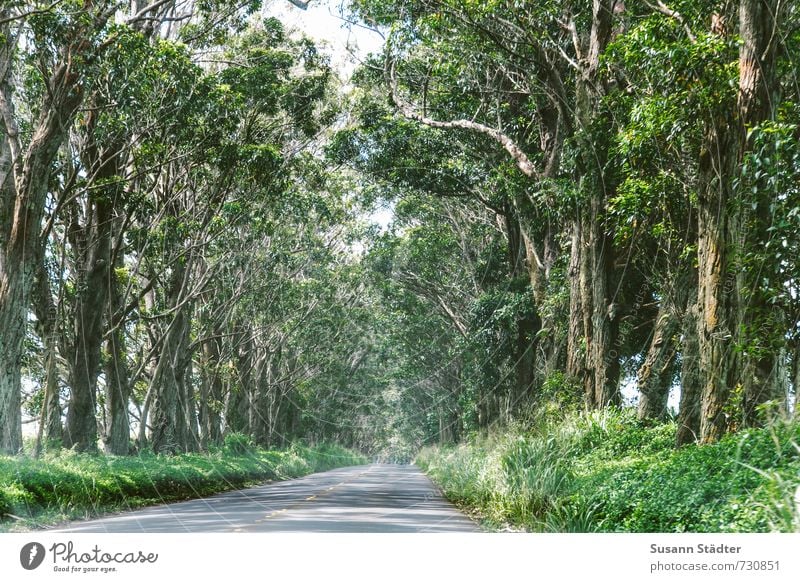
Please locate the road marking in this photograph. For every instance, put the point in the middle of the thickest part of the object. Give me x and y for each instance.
(310, 498)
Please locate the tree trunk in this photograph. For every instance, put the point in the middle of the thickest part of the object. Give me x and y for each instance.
(656, 372)
(585, 302)
(761, 384)
(117, 438)
(524, 360)
(170, 425)
(796, 377)
(94, 258)
(144, 420)
(576, 335)
(262, 396)
(757, 100)
(192, 436)
(24, 191)
(12, 322)
(49, 434)
(691, 383)
(595, 260)
(527, 325)
(605, 325)
(719, 236)
(211, 400)
(715, 294)
(12, 277)
(167, 412)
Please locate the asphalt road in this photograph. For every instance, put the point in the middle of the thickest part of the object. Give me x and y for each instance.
(363, 499)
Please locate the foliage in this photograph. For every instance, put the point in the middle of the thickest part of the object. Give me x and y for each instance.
(608, 472)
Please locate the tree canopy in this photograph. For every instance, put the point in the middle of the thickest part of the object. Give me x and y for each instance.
(593, 205)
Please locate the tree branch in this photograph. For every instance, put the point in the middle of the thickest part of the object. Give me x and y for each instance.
(149, 8)
(659, 6)
(34, 12)
(523, 162)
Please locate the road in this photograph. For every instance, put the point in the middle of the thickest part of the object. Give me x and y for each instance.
(362, 499)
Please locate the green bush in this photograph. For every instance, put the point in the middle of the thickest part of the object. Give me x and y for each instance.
(5, 505)
(606, 471)
(238, 444)
(69, 485)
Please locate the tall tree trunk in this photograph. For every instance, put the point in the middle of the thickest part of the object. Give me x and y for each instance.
(527, 324)
(211, 399)
(605, 325)
(12, 279)
(715, 295)
(655, 374)
(585, 302)
(192, 436)
(595, 186)
(12, 322)
(24, 192)
(169, 420)
(94, 258)
(757, 100)
(796, 377)
(263, 394)
(725, 146)
(118, 389)
(49, 434)
(576, 334)
(691, 382)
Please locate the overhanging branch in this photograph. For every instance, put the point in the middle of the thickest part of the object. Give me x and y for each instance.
(520, 158)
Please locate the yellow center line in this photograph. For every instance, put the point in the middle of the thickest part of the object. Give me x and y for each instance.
(311, 498)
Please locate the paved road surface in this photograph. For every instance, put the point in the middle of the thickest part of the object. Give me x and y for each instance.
(364, 499)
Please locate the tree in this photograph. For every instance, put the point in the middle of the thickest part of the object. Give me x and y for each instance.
(68, 43)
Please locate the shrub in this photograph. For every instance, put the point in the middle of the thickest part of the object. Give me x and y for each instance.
(5, 505)
(238, 444)
(68, 485)
(606, 471)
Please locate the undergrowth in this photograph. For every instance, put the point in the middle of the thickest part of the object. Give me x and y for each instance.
(66, 485)
(606, 471)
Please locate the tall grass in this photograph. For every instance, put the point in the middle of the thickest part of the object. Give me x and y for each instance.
(605, 471)
(69, 485)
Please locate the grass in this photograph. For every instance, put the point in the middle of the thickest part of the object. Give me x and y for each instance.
(606, 471)
(55, 488)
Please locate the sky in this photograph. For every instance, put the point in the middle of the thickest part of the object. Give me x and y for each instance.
(346, 43)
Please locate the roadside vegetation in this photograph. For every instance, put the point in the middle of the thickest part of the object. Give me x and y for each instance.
(606, 471)
(66, 485)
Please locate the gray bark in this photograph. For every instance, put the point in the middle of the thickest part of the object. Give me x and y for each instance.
(655, 374)
(117, 438)
(691, 381)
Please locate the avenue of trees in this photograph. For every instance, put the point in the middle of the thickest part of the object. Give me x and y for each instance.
(173, 257)
(591, 200)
